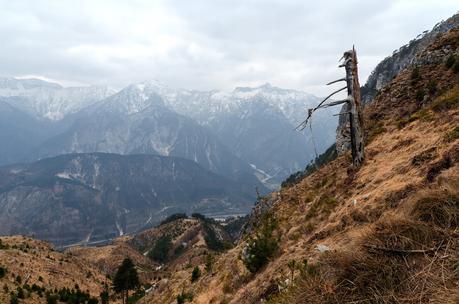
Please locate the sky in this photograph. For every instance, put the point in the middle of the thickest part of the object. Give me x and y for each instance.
(206, 44)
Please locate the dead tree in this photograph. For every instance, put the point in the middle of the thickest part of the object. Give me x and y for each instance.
(353, 106)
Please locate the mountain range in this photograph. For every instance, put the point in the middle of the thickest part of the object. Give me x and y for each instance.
(246, 134)
(87, 164)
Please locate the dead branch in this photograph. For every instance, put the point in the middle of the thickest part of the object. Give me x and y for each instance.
(400, 250)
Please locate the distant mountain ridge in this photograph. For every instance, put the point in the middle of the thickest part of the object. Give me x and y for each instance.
(96, 196)
(51, 101)
(243, 133)
(131, 122)
(257, 124)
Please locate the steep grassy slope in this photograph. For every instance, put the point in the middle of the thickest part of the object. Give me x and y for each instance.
(386, 233)
(172, 248)
(32, 270)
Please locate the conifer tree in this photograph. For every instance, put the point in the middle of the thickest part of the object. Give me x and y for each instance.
(125, 279)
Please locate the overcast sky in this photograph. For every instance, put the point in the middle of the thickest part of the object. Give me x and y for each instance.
(206, 44)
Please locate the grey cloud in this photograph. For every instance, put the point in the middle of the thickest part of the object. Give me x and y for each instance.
(205, 44)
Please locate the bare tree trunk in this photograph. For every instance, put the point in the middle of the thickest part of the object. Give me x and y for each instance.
(354, 107)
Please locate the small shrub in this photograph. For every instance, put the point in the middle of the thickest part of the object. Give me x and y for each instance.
(420, 95)
(447, 101)
(209, 262)
(18, 279)
(436, 168)
(450, 61)
(440, 208)
(415, 75)
(134, 298)
(14, 299)
(432, 87)
(323, 205)
(262, 247)
(179, 250)
(3, 246)
(160, 251)
(20, 293)
(199, 216)
(424, 157)
(174, 217)
(104, 297)
(184, 297)
(307, 269)
(375, 131)
(452, 135)
(51, 299)
(456, 67)
(2, 272)
(213, 242)
(93, 301)
(423, 115)
(195, 274)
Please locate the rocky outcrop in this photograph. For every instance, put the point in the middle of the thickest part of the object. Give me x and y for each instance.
(391, 66)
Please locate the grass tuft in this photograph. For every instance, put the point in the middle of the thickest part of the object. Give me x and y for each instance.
(452, 135)
(447, 101)
(439, 207)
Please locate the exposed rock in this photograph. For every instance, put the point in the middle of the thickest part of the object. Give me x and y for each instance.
(387, 69)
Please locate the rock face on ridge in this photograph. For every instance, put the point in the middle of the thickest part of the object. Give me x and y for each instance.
(391, 66)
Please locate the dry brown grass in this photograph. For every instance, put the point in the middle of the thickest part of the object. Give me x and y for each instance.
(399, 235)
(37, 263)
(439, 207)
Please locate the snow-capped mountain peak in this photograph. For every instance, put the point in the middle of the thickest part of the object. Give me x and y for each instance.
(137, 97)
(50, 101)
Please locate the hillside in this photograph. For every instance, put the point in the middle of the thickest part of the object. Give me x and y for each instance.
(93, 197)
(391, 66)
(32, 268)
(386, 233)
(160, 254)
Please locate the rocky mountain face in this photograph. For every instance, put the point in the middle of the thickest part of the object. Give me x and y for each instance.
(91, 197)
(50, 101)
(213, 128)
(19, 132)
(256, 124)
(390, 67)
(132, 122)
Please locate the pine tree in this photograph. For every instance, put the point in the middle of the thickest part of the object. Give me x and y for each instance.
(125, 279)
(104, 297)
(195, 274)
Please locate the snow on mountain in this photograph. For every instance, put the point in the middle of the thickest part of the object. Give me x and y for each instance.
(204, 106)
(50, 101)
(257, 124)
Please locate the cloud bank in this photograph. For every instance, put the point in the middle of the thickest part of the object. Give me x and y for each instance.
(206, 44)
